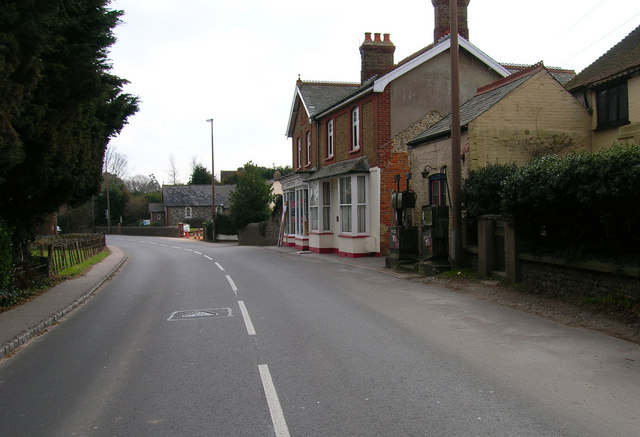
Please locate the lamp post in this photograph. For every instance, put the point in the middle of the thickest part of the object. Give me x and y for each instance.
(213, 187)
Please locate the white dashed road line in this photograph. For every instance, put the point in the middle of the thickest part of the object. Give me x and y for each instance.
(220, 267)
(247, 320)
(277, 416)
(233, 285)
(208, 257)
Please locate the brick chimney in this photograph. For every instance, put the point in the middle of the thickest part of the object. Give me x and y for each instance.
(376, 55)
(442, 24)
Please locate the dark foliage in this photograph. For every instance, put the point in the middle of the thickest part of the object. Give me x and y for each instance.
(482, 190)
(60, 106)
(251, 198)
(586, 201)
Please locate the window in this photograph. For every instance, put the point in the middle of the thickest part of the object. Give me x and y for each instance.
(326, 206)
(355, 129)
(345, 204)
(313, 205)
(309, 148)
(613, 106)
(354, 207)
(291, 212)
(330, 139)
(362, 205)
(299, 153)
(188, 212)
(438, 189)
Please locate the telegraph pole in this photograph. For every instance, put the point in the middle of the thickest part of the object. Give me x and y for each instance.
(456, 212)
(213, 188)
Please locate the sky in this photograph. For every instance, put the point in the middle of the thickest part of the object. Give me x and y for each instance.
(237, 62)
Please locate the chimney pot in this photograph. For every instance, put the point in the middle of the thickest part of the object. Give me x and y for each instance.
(377, 36)
(367, 36)
(386, 37)
(376, 56)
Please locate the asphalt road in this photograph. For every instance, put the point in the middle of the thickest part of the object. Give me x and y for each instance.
(214, 340)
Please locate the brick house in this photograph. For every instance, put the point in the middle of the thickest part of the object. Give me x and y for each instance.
(349, 140)
(610, 89)
(510, 120)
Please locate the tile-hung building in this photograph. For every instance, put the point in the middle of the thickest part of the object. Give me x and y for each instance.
(349, 140)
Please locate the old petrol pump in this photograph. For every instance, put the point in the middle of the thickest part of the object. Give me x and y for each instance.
(403, 238)
(435, 228)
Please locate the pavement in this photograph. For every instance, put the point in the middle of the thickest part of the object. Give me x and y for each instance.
(24, 322)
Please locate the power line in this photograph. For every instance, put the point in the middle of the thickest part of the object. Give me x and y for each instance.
(603, 37)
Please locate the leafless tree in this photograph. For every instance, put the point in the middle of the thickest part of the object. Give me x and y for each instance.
(173, 170)
(115, 163)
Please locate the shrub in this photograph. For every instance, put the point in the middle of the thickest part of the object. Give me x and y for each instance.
(586, 201)
(481, 191)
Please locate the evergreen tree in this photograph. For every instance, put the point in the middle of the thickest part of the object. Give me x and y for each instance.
(251, 198)
(60, 105)
(200, 175)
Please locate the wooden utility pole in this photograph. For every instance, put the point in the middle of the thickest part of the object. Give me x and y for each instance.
(455, 173)
(213, 188)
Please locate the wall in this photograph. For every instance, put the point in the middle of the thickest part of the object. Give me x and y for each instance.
(538, 107)
(595, 280)
(251, 235)
(426, 88)
(175, 215)
(146, 231)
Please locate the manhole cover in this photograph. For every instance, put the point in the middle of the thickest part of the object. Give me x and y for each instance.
(196, 314)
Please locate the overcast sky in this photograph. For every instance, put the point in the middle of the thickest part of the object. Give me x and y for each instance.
(237, 62)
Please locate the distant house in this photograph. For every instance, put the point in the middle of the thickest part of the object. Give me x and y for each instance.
(192, 203)
(610, 89)
(156, 213)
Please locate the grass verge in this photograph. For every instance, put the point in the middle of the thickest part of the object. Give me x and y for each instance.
(17, 297)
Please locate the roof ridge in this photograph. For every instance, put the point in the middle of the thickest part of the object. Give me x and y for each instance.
(327, 82)
(511, 78)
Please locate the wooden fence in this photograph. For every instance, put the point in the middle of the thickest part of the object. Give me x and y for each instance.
(64, 252)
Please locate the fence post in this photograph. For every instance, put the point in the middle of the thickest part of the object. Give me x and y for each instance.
(49, 259)
(485, 245)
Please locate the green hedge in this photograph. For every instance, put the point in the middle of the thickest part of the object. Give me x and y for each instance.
(587, 201)
(481, 190)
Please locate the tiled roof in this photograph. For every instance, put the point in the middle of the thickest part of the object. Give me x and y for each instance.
(562, 75)
(350, 166)
(195, 195)
(486, 97)
(620, 60)
(319, 95)
(156, 207)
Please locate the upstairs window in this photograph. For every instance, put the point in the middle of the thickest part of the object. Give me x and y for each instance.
(308, 148)
(355, 129)
(330, 139)
(613, 106)
(298, 155)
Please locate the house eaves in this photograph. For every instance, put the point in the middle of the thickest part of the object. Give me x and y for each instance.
(314, 96)
(377, 84)
(445, 44)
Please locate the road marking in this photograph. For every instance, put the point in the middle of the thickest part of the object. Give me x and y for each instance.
(175, 247)
(233, 285)
(220, 267)
(209, 258)
(189, 250)
(247, 320)
(164, 245)
(195, 251)
(277, 416)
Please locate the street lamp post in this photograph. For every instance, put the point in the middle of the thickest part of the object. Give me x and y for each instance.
(213, 187)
